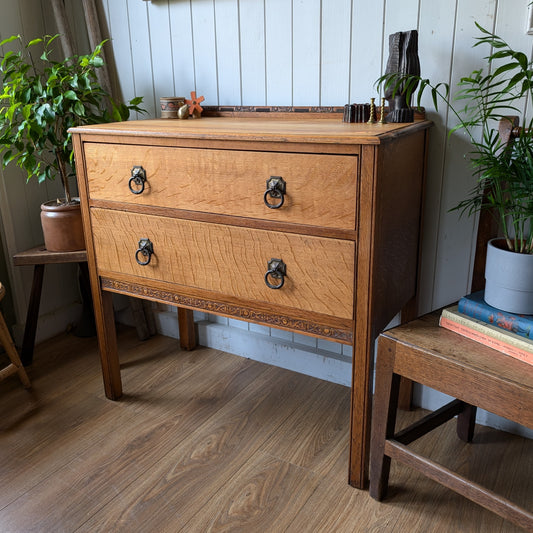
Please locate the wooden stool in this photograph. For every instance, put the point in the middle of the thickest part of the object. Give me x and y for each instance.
(470, 372)
(39, 257)
(7, 342)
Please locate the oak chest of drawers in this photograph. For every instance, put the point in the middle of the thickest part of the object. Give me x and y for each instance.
(306, 224)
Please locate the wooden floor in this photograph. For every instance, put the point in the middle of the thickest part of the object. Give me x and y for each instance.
(207, 441)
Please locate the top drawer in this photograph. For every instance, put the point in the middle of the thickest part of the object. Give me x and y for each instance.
(320, 188)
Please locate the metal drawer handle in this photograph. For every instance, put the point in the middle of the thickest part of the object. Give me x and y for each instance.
(146, 249)
(277, 270)
(276, 188)
(138, 177)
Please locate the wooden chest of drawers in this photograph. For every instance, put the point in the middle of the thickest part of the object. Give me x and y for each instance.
(307, 224)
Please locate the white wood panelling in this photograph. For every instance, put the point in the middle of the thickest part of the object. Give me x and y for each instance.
(335, 60)
(182, 49)
(436, 40)
(228, 52)
(251, 38)
(455, 235)
(305, 52)
(205, 50)
(161, 50)
(278, 51)
(367, 48)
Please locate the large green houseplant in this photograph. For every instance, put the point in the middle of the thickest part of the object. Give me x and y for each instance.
(503, 171)
(41, 99)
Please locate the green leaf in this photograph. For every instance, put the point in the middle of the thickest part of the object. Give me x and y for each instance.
(505, 68)
(26, 111)
(7, 157)
(136, 101)
(10, 39)
(79, 109)
(97, 62)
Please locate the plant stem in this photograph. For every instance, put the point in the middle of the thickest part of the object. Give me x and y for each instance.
(64, 176)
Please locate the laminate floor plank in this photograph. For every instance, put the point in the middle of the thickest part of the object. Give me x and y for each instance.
(264, 495)
(314, 436)
(104, 461)
(207, 441)
(196, 469)
(59, 430)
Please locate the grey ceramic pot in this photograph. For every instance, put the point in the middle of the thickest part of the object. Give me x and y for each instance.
(509, 279)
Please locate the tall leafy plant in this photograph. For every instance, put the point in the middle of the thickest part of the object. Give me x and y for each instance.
(42, 98)
(504, 172)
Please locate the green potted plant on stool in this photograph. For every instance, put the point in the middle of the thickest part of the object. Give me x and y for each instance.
(504, 170)
(41, 99)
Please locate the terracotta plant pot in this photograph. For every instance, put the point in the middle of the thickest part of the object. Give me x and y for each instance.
(509, 279)
(62, 227)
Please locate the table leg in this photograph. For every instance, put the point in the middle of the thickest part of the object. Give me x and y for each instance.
(26, 355)
(107, 343)
(186, 329)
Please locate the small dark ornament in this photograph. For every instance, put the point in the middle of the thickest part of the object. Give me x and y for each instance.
(356, 113)
(403, 59)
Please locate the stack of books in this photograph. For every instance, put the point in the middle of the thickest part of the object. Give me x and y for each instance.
(508, 333)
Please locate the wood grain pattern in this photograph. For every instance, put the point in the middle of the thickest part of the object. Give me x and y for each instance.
(229, 260)
(73, 461)
(258, 129)
(228, 182)
(485, 366)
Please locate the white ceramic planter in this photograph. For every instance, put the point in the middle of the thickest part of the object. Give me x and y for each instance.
(509, 279)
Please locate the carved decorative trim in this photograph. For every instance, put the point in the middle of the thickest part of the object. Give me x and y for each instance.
(213, 109)
(237, 311)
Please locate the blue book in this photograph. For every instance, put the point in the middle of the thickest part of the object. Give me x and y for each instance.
(474, 305)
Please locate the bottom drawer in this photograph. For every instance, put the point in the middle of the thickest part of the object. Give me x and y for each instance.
(229, 260)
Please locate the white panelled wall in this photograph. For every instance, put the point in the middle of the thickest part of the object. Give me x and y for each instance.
(288, 52)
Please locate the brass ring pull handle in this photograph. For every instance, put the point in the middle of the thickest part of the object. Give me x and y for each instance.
(146, 249)
(277, 270)
(276, 188)
(138, 178)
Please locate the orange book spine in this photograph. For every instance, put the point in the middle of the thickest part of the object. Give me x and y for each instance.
(487, 340)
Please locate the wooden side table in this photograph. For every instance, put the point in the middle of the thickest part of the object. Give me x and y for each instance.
(39, 257)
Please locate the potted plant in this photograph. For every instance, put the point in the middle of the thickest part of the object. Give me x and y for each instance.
(504, 171)
(41, 99)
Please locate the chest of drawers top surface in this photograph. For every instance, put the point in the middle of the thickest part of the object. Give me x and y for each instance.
(328, 130)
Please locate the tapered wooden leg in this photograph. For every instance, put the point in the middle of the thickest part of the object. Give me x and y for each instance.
(186, 329)
(28, 343)
(107, 343)
(361, 410)
(466, 422)
(383, 418)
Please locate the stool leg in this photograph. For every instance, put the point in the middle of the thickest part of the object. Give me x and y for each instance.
(9, 346)
(466, 421)
(383, 418)
(30, 329)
